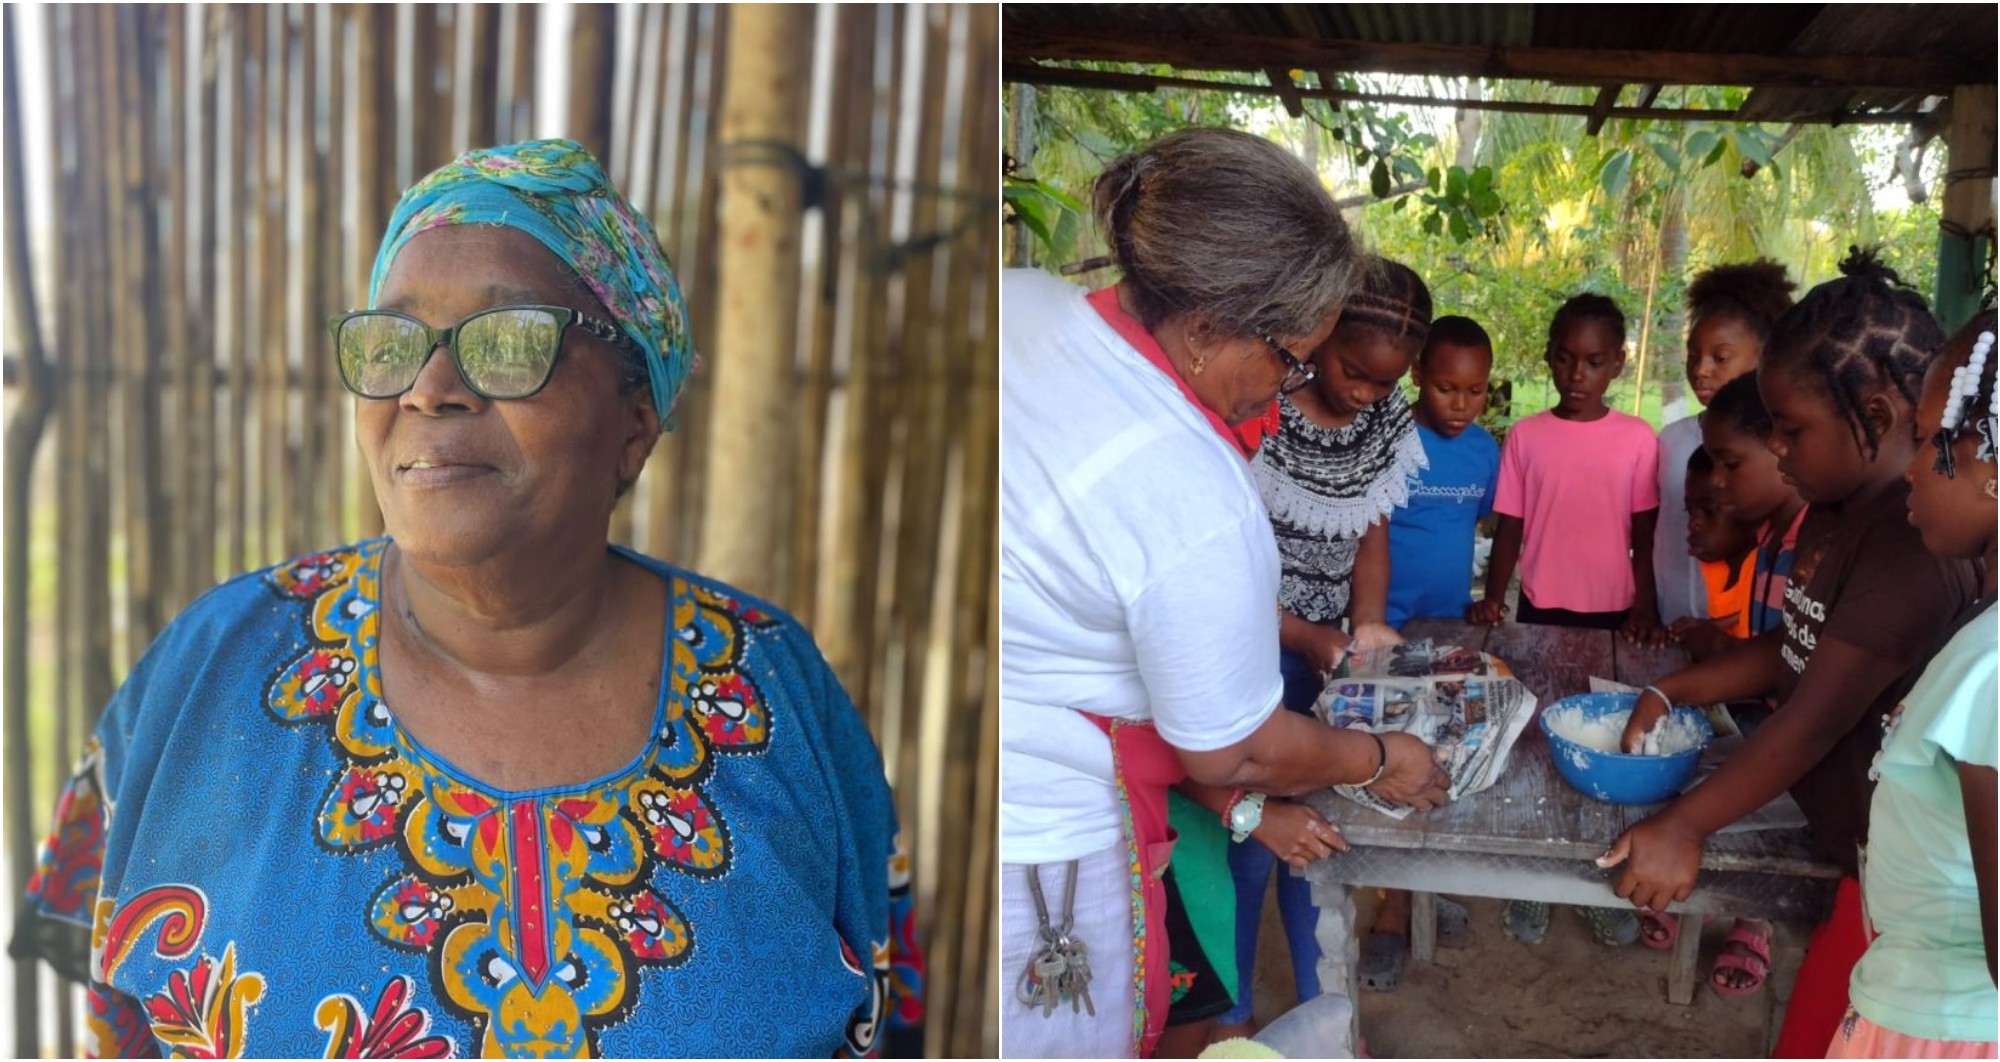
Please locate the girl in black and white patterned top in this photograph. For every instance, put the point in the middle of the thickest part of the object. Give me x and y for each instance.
(1343, 456)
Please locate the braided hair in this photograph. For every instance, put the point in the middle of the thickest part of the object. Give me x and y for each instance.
(1392, 300)
(1738, 405)
(1862, 334)
(1587, 307)
(1754, 293)
(1972, 405)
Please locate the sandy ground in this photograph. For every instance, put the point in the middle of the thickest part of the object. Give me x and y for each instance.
(1567, 997)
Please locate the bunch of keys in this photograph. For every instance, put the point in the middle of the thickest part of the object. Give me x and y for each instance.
(1060, 970)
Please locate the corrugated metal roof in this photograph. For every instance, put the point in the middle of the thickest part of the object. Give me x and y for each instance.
(1961, 36)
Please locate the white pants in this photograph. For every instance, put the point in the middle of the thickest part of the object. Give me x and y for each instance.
(1104, 922)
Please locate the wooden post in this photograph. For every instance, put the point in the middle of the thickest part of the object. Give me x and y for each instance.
(1967, 224)
(745, 529)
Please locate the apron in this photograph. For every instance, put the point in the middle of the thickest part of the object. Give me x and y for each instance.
(1144, 767)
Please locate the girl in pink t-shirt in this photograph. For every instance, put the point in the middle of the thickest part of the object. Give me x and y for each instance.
(1577, 497)
(1578, 494)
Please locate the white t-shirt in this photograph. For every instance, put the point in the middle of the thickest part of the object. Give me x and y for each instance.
(1677, 581)
(1138, 573)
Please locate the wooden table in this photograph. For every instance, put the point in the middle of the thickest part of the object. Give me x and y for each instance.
(1532, 837)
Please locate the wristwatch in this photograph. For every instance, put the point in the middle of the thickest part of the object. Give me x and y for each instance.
(1243, 815)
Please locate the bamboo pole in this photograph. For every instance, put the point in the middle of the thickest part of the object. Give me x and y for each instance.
(237, 183)
(480, 92)
(95, 614)
(698, 272)
(744, 533)
(659, 488)
(171, 171)
(142, 468)
(32, 408)
(592, 48)
(199, 532)
(848, 585)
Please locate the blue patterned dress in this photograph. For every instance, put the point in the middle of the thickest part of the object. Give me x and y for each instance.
(258, 860)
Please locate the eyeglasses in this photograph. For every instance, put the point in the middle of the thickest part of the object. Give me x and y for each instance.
(506, 352)
(1297, 373)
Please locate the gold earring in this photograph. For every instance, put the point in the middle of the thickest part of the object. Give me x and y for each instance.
(1993, 488)
(1200, 363)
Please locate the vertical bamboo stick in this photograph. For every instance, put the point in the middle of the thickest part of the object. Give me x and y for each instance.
(95, 614)
(33, 407)
(660, 488)
(759, 251)
(592, 50)
(139, 467)
(204, 184)
(480, 90)
(848, 585)
(273, 449)
(237, 214)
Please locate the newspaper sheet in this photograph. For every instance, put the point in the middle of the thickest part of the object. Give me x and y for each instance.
(1465, 704)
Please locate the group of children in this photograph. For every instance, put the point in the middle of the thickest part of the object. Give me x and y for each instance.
(1820, 533)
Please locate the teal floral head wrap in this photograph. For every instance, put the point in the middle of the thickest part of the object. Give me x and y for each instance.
(556, 192)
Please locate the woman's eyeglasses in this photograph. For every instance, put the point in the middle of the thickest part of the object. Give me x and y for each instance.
(503, 353)
(1297, 373)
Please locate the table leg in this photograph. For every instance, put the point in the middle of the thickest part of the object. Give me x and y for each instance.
(1339, 952)
(1681, 965)
(1423, 926)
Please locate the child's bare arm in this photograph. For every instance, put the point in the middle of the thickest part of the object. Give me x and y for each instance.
(1499, 572)
(1643, 625)
(1369, 604)
(1977, 786)
(1322, 644)
(1663, 853)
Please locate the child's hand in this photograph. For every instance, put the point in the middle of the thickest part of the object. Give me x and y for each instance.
(1297, 834)
(1326, 652)
(1371, 636)
(1490, 612)
(1647, 711)
(1703, 639)
(1661, 861)
(1645, 632)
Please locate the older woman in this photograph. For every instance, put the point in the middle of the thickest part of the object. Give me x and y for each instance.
(1139, 574)
(487, 785)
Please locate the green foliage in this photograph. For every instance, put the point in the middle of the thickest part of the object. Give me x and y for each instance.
(1542, 212)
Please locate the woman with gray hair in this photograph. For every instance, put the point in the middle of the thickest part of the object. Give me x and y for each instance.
(1139, 574)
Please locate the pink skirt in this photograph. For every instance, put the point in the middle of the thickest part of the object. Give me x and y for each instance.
(1858, 1037)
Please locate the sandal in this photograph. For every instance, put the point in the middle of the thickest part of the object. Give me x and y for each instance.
(1754, 938)
(1659, 931)
(1526, 920)
(1614, 927)
(1383, 956)
(1454, 925)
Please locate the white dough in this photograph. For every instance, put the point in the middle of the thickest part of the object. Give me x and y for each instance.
(1671, 735)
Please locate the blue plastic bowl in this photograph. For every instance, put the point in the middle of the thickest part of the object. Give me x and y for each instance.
(1614, 777)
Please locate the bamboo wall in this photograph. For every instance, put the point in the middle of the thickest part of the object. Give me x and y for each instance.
(220, 179)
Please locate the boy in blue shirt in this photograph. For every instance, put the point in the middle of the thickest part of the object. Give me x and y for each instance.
(1430, 563)
(1430, 541)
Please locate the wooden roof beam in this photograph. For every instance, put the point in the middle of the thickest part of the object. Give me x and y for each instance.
(1209, 51)
(1036, 74)
(1288, 93)
(1600, 110)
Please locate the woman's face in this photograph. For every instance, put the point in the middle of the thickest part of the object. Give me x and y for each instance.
(1746, 479)
(1358, 366)
(461, 478)
(1241, 376)
(1955, 516)
(1720, 349)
